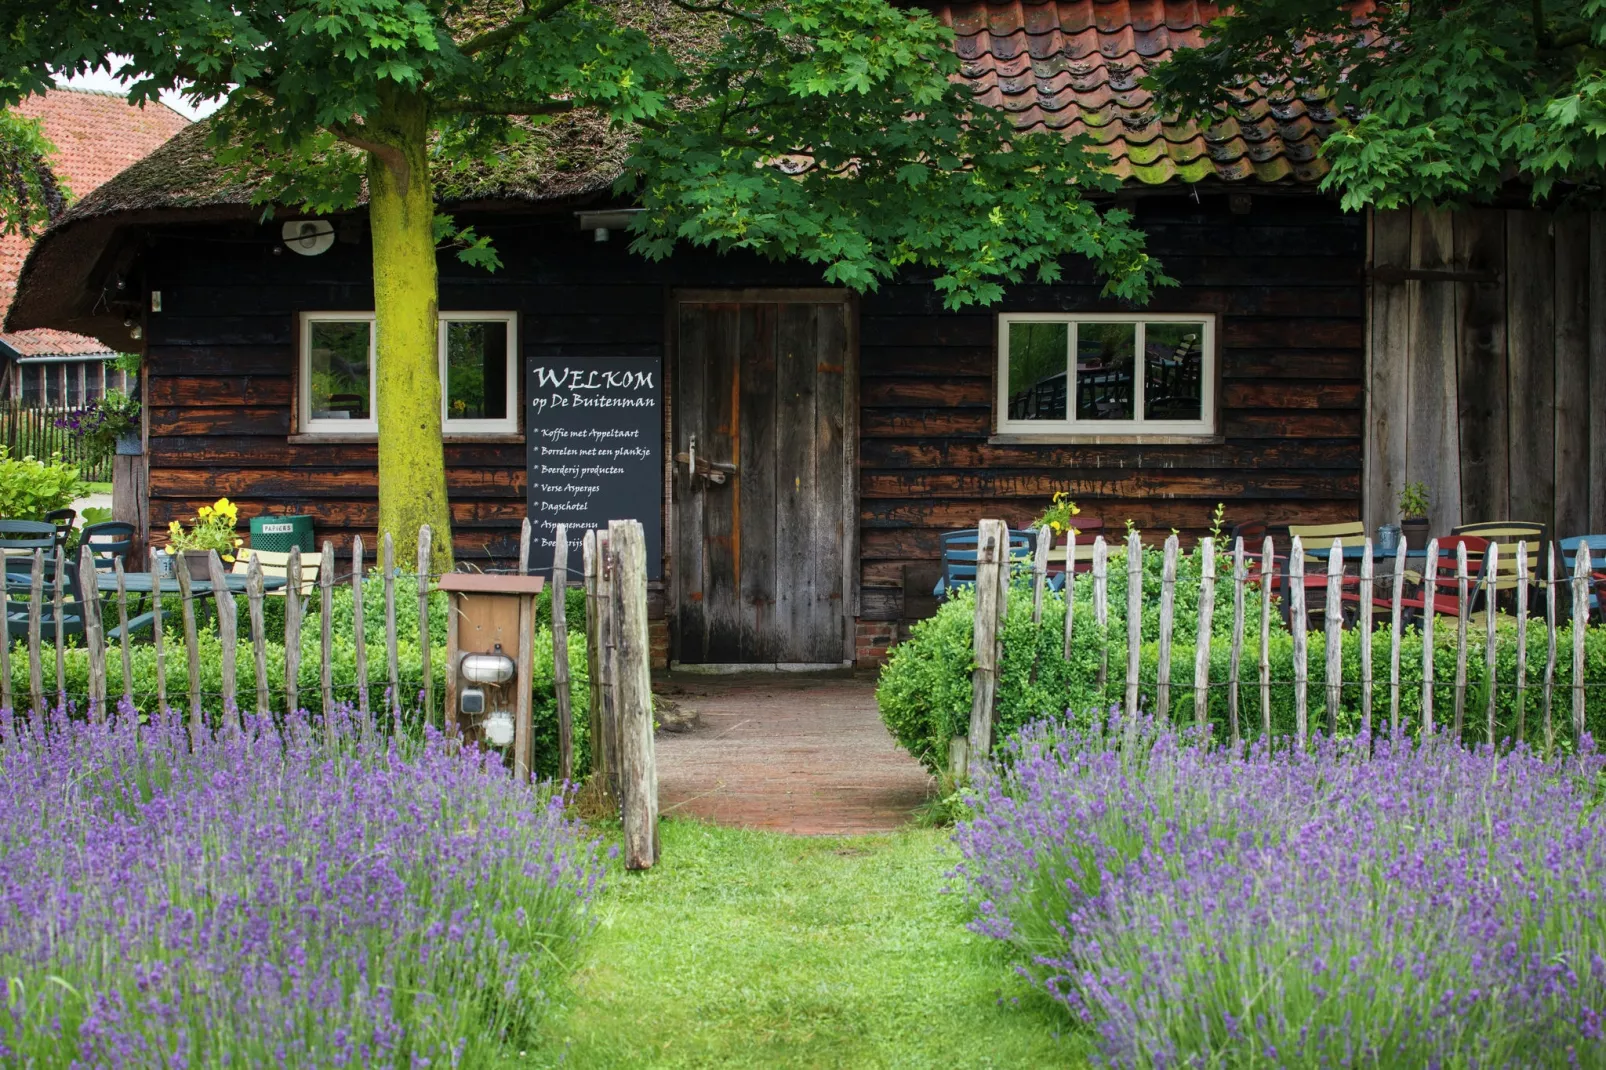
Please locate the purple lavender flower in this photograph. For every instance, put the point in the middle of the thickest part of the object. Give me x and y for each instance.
(261, 899)
(1420, 905)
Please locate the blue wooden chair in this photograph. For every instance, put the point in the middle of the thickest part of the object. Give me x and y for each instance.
(1597, 561)
(959, 558)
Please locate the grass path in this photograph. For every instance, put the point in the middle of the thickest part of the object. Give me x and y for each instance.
(751, 949)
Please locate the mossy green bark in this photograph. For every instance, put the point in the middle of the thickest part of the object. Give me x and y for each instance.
(401, 211)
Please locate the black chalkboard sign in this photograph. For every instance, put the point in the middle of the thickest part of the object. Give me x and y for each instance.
(594, 434)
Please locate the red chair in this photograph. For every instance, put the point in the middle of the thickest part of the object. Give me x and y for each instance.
(1439, 589)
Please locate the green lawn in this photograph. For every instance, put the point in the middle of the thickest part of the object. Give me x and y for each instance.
(749, 949)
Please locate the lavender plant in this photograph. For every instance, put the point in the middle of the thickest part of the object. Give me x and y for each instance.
(263, 899)
(1426, 905)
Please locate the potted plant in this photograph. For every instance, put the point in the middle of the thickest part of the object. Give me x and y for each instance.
(108, 424)
(213, 530)
(1057, 518)
(1414, 515)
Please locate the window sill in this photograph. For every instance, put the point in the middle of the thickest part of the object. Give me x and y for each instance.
(303, 438)
(1125, 439)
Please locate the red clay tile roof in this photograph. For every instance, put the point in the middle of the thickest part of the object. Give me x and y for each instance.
(1077, 66)
(96, 135)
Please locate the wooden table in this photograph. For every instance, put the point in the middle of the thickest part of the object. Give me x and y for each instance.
(146, 583)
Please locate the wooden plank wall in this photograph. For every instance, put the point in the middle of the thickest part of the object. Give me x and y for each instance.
(1489, 385)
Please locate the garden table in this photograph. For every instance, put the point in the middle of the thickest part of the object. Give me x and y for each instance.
(200, 587)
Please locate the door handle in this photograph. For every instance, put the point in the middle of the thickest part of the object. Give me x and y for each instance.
(713, 471)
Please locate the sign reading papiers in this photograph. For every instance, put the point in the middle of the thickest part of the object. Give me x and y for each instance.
(594, 434)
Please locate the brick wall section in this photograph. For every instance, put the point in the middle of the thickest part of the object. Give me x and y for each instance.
(871, 641)
(658, 643)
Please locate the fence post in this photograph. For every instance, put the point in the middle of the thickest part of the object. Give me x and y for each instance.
(1235, 655)
(1070, 591)
(1492, 571)
(524, 547)
(1460, 640)
(36, 598)
(1430, 580)
(192, 652)
(122, 630)
(992, 578)
(1201, 653)
(1134, 633)
(228, 637)
(1296, 595)
(1394, 642)
(427, 686)
(599, 744)
(59, 587)
(1367, 589)
(1333, 632)
(392, 656)
(1040, 548)
(359, 643)
(156, 632)
(5, 669)
(259, 641)
(1551, 582)
(94, 634)
(633, 685)
(1168, 605)
(1268, 570)
(292, 631)
(560, 652)
(326, 591)
(1580, 623)
(607, 706)
(523, 711)
(1522, 641)
(1101, 605)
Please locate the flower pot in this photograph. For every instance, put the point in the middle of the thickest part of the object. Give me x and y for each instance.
(129, 445)
(200, 564)
(1415, 530)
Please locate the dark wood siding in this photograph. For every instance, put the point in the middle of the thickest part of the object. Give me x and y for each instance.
(1285, 279)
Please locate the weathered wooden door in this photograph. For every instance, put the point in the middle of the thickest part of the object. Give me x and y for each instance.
(764, 428)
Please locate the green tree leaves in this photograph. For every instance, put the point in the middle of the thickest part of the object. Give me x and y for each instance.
(30, 194)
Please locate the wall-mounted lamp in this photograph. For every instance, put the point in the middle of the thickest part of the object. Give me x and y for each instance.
(601, 224)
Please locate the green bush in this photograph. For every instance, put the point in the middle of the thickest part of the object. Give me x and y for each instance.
(30, 488)
(343, 662)
(924, 691)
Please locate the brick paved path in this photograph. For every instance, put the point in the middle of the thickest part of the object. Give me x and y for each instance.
(803, 753)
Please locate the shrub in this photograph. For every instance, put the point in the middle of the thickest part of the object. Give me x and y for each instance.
(30, 488)
(263, 898)
(924, 691)
(1427, 905)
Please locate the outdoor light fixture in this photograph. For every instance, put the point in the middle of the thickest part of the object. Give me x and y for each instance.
(495, 668)
(602, 223)
(498, 728)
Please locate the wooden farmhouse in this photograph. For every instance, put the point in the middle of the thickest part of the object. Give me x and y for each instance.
(809, 446)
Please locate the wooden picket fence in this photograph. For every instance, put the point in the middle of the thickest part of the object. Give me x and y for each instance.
(620, 714)
(993, 579)
(28, 430)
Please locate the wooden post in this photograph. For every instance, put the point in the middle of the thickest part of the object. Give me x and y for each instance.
(1296, 595)
(192, 652)
(524, 547)
(599, 743)
(1580, 624)
(1134, 633)
(5, 666)
(1235, 655)
(1201, 650)
(359, 644)
(259, 641)
(1552, 581)
(607, 712)
(1367, 590)
(326, 593)
(992, 559)
(1492, 571)
(228, 636)
(1460, 639)
(156, 631)
(1394, 642)
(1430, 581)
(523, 714)
(59, 587)
(392, 657)
(1168, 607)
(94, 634)
(633, 685)
(122, 630)
(1522, 641)
(427, 685)
(560, 652)
(292, 631)
(1268, 568)
(1333, 632)
(36, 598)
(1045, 539)
(1070, 591)
(1101, 605)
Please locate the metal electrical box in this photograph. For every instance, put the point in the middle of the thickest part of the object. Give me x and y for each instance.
(490, 661)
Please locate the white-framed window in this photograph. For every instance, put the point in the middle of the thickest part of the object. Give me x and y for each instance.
(1106, 373)
(478, 362)
(337, 373)
(479, 373)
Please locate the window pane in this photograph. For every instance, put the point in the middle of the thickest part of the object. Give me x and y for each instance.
(1173, 362)
(1037, 370)
(338, 369)
(30, 384)
(476, 370)
(1104, 365)
(94, 382)
(75, 385)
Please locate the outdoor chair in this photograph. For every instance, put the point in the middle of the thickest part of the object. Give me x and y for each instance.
(64, 520)
(18, 599)
(1088, 528)
(1508, 533)
(959, 557)
(1438, 586)
(1317, 540)
(109, 541)
(277, 563)
(18, 541)
(1597, 557)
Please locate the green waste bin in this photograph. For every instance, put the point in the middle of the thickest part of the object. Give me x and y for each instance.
(279, 533)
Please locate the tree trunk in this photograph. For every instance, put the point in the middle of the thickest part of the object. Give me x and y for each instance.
(401, 211)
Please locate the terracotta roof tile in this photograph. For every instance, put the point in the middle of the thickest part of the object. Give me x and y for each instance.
(1077, 66)
(96, 135)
